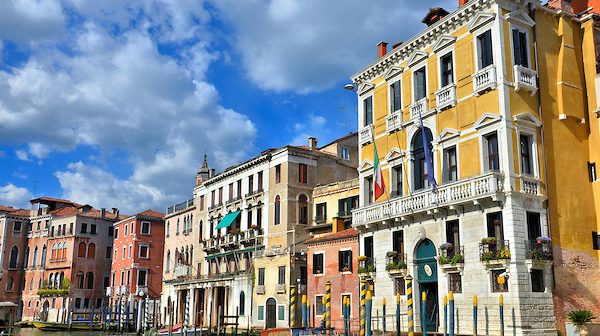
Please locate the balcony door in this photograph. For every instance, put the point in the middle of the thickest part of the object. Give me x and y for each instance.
(271, 316)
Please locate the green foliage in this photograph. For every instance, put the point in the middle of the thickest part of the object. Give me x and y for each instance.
(394, 266)
(580, 317)
(49, 292)
(503, 253)
(368, 269)
(489, 240)
(452, 260)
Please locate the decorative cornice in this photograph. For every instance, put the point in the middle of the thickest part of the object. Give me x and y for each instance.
(444, 41)
(392, 72)
(487, 119)
(527, 119)
(521, 17)
(480, 20)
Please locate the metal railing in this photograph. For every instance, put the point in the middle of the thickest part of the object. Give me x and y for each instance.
(494, 250)
(539, 250)
(452, 255)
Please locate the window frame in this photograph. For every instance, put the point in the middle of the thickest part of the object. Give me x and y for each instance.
(341, 254)
(417, 68)
(443, 54)
(485, 151)
(278, 174)
(391, 85)
(322, 263)
(302, 173)
(142, 228)
(345, 153)
(363, 109)
(146, 272)
(520, 29)
(147, 246)
(446, 167)
(478, 57)
(533, 153)
(279, 274)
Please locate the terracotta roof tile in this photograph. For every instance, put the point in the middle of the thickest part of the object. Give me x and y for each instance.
(348, 233)
(52, 199)
(152, 213)
(21, 212)
(7, 208)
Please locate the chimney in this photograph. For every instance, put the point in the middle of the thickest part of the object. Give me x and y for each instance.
(115, 210)
(102, 212)
(462, 2)
(382, 49)
(434, 15)
(312, 142)
(117, 214)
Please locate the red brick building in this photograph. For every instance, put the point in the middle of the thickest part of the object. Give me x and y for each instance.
(333, 257)
(137, 266)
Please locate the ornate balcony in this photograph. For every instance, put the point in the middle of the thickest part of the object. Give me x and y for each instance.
(109, 291)
(182, 271)
(124, 290)
(419, 108)
(525, 79)
(280, 289)
(393, 122)
(539, 249)
(530, 185)
(365, 135)
(484, 79)
(469, 190)
(260, 289)
(446, 97)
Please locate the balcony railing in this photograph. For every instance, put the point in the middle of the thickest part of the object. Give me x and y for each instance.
(180, 206)
(124, 290)
(525, 79)
(494, 250)
(182, 271)
(487, 185)
(254, 192)
(452, 256)
(271, 252)
(365, 135)
(539, 250)
(530, 185)
(446, 97)
(419, 108)
(395, 262)
(484, 79)
(366, 266)
(320, 219)
(393, 121)
(280, 288)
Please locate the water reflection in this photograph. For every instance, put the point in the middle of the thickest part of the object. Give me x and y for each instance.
(36, 332)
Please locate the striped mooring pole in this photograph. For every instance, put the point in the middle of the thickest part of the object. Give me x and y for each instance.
(328, 306)
(324, 314)
(308, 312)
(346, 314)
(292, 305)
(423, 317)
(451, 311)
(398, 327)
(474, 315)
(304, 323)
(501, 315)
(368, 309)
(363, 302)
(383, 317)
(409, 302)
(147, 316)
(445, 315)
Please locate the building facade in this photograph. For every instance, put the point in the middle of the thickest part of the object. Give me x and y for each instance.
(137, 268)
(458, 106)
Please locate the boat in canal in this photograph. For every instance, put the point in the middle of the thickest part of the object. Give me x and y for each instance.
(53, 326)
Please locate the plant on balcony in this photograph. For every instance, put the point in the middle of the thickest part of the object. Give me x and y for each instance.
(445, 246)
(489, 241)
(362, 258)
(543, 240)
(391, 254)
(395, 266)
(47, 291)
(445, 259)
(368, 269)
(503, 253)
(580, 318)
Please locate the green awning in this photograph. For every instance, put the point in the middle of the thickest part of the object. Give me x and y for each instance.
(227, 220)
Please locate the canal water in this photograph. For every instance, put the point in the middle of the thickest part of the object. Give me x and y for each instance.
(36, 332)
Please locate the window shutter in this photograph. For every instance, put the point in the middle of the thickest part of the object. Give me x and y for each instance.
(340, 261)
(523, 41)
(517, 47)
(350, 260)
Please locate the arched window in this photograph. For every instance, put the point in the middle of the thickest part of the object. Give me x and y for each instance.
(43, 261)
(200, 231)
(168, 229)
(64, 250)
(79, 277)
(420, 169)
(81, 250)
(177, 227)
(51, 280)
(53, 252)
(191, 255)
(242, 303)
(90, 280)
(187, 256)
(9, 284)
(302, 209)
(26, 258)
(168, 262)
(91, 251)
(14, 257)
(277, 210)
(60, 280)
(177, 258)
(35, 253)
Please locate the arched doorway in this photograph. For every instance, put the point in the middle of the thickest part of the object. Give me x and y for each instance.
(45, 309)
(271, 316)
(427, 278)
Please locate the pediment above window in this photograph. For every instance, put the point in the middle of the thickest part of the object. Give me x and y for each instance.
(417, 57)
(365, 87)
(448, 134)
(521, 17)
(443, 42)
(527, 119)
(480, 20)
(365, 165)
(392, 72)
(486, 120)
(395, 154)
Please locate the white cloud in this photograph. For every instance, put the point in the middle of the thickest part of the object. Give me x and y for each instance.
(308, 46)
(26, 21)
(15, 196)
(22, 155)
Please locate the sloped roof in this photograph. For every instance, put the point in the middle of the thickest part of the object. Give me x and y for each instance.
(348, 233)
(151, 213)
(52, 199)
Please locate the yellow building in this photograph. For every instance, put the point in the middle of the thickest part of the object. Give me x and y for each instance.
(463, 92)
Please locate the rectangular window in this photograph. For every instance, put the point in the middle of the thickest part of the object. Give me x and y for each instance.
(495, 226)
(144, 251)
(455, 282)
(525, 150)
(250, 184)
(111, 231)
(108, 251)
(420, 84)
(398, 242)
(399, 286)
(201, 205)
(126, 228)
(446, 70)
(220, 195)
(281, 313)
(537, 281)
(302, 173)
(239, 189)
(249, 219)
(396, 96)
(16, 226)
(451, 164)
(145, 230)
(369, 190)
(261, 276)
(93, 228)
(124, 253)
(261, 313)
(260, 180)
(319, 306)
(129, 254)
(534, 226)
(77, 302)
(520, 47)
(368, 247)
(499, 284)
(344, 297)
(278, 173)
(484, 47)
(345, 261)
(453, 236)
(345, 153)
(230, 191)
(592, 171)
(259, 217)
(368, 111)
(128, 277)
(321, 212)
(83, 227)
(213, 198)
(281, 278)
(397, 180)
(493, 156)
(318, 263)
(142, 277)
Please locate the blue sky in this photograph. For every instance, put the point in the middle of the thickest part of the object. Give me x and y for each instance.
(114, 103)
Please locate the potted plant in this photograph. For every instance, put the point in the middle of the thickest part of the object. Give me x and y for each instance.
(445, 246)
(489, 241)
(580, 318)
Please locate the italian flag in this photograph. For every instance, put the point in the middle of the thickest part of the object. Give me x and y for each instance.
(379, 185)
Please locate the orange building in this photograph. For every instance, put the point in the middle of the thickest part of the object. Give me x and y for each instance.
(136, 271)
